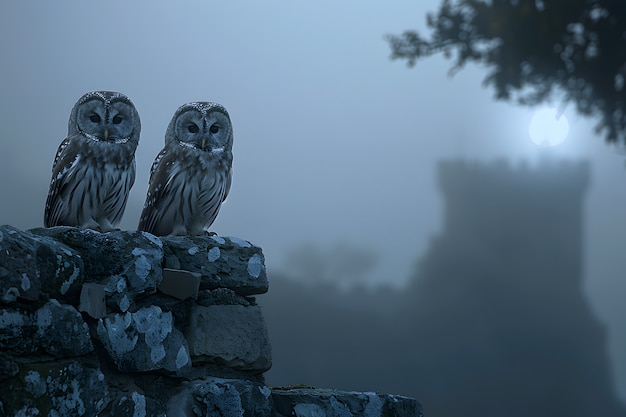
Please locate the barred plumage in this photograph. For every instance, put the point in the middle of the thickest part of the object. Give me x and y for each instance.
(191, 176)
(94, 167)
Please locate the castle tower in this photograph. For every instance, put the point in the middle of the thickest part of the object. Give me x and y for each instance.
(498, 300)
(528, 220)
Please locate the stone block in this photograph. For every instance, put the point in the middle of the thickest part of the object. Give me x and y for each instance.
(222, 262)
(128, 263)
(35, 267)
(53, 329)
(204, 314)
(8, 366)
(179, 283)
(65, 388)
(221, 397)
(144, 341)
(315, 403)
(133, 404)
(92, 300)
(230, 335)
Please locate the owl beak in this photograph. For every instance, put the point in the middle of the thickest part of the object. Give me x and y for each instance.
(106, 134)
(204, 144)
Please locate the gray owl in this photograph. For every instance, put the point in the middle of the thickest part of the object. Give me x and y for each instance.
(191, 176)
(94, 167)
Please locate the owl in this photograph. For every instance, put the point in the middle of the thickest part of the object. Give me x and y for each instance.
(94, 167)
(191, 176)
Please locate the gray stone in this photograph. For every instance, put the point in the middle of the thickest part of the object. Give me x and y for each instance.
(92, 300)
(221, 398)
(132, 404)
(54, 329)
(179, 283)
(230, 335)
(8, 368)
(48, 364)
(128, 263)
(317, 403)
(62, 388)
(144, 341)
(34, 267)
(223, 262)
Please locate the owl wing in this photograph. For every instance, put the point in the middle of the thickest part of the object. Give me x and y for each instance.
(115, 201)
(63, 168)
(212, 193)
(64, 144)
(159, 178)
(176, 196)
(156, 163)
(229, 180)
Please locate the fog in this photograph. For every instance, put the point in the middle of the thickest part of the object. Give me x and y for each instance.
(336, 151)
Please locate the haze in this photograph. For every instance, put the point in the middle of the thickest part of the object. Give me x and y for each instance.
(334, 143)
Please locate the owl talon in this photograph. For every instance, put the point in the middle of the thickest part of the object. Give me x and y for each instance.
(91, 226)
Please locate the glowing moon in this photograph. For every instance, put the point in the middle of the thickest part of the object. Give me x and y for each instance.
(547, 129)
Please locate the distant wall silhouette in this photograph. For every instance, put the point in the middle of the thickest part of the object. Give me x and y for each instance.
(494, 322)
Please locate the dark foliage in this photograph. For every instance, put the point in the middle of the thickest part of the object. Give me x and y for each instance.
(534, 49)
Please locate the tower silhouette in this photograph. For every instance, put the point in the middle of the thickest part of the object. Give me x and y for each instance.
(498, 300)
(494, 322)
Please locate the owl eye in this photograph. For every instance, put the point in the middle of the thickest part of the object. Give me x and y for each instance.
(214, 129)
(94, 118)
(193, 128)
(117, 119)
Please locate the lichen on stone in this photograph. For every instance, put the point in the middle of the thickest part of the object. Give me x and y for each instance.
(120, 341)
(255, 265)
(213, 254)
(219, 240)
(240, 242)
(142, 265)
(25, 282)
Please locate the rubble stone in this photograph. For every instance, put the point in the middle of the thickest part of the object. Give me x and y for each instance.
(194, 348)
(60, 388)
(53, 329)
(144, 341)
(128, 263)
(232, 335)
(33, 268)
(223, 262)
(221, 397)
(307, 402)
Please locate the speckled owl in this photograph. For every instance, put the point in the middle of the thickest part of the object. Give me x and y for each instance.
(94, 167)
(191, 176)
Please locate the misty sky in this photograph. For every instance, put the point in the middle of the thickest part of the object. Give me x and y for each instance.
(333, 141)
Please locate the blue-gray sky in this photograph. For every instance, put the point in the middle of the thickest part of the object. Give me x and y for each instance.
(333, 141)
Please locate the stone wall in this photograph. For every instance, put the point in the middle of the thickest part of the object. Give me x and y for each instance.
(127, 324)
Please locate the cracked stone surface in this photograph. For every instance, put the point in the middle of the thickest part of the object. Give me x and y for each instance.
(135, 350)
(222, 262)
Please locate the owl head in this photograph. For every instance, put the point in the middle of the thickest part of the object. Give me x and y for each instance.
(106, 117)
(204, 126)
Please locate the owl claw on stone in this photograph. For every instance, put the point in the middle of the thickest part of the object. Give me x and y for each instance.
(102, 227)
